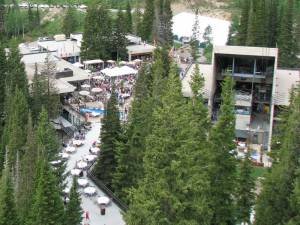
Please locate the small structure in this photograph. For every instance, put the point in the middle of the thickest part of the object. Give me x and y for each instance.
(119, 71)
(93, 65)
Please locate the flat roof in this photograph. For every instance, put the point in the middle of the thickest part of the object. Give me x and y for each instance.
(245, 50)
(63, 48)
(140, 49)
(94, 61)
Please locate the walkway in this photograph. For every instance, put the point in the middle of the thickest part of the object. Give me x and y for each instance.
(113, 214)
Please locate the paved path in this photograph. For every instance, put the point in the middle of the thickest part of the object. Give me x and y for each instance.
(113, 214)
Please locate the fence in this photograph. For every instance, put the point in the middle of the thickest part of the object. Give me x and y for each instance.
(106, 190)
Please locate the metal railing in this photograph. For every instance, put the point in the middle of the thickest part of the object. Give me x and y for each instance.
(106, 190)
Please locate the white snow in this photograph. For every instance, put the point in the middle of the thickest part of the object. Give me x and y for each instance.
(183, 25)
(113, 214)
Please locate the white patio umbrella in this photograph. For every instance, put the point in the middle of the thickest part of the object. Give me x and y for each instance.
(84, 93)
(81, 164)
(55, 162)
(90, 190)
(95, 150)
(75, 172)
(90, 158)
(78, 142)
(98, 141)
(70, 149)
(64, 155)
(95, 114)
(66, 190)
(96, 90)
(85, 86)
(137, 60)
(82, 182)
(98, 77)
(103, 200)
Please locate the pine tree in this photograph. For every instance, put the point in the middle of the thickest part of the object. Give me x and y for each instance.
(163, 23)
(148, 20)
(73, 214)
(46, 137)
(272, 22)
(8, 210)
(173, 189)
(97, 33)
(233, 31)
(128, 18)
(70, 21)
(286, 40)
(244, 22)
(14, 136)
(27, 174)
(160, 70)
(256, 28)
(119, 37)
(137, 21)
(50, 98)
(31, 19)
(2, 21)
(222, 164)
(110, 132)
(194, 43)
(207, 39)
(245, 196)
(273, 205)
(3, 77)
(131, 148)
(16, 70)
(37, 18)
(47, 208)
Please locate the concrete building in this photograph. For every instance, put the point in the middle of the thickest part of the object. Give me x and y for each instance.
(261, 88)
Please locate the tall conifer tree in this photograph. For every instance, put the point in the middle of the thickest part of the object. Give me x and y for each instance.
(8, 210)
(173, 189)
(73, 214)
(148, 21)
(110, 134)
(274, 206)
(286, 40)
(244, 21)
(128, 18)
(222, 164)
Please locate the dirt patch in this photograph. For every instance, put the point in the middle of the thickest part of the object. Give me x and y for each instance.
(215, 9)
(51, 14)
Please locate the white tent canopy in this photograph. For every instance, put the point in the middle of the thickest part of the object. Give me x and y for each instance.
(94, 61)
(118, 71)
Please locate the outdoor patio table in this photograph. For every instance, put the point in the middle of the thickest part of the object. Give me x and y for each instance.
(90, 190)
(70, 149)
(81, 164)
(90, 158)
(82, 182)
(103, 200)
(95, 150)
(76, 172)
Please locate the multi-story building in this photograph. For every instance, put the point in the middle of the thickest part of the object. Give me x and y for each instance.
(261, 88)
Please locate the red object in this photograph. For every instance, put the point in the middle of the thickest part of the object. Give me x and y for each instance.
(87, 216)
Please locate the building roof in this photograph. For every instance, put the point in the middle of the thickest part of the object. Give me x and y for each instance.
(247, 51)
(140, 49)
(64, 48)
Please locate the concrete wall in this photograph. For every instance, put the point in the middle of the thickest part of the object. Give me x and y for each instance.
(285, 80)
